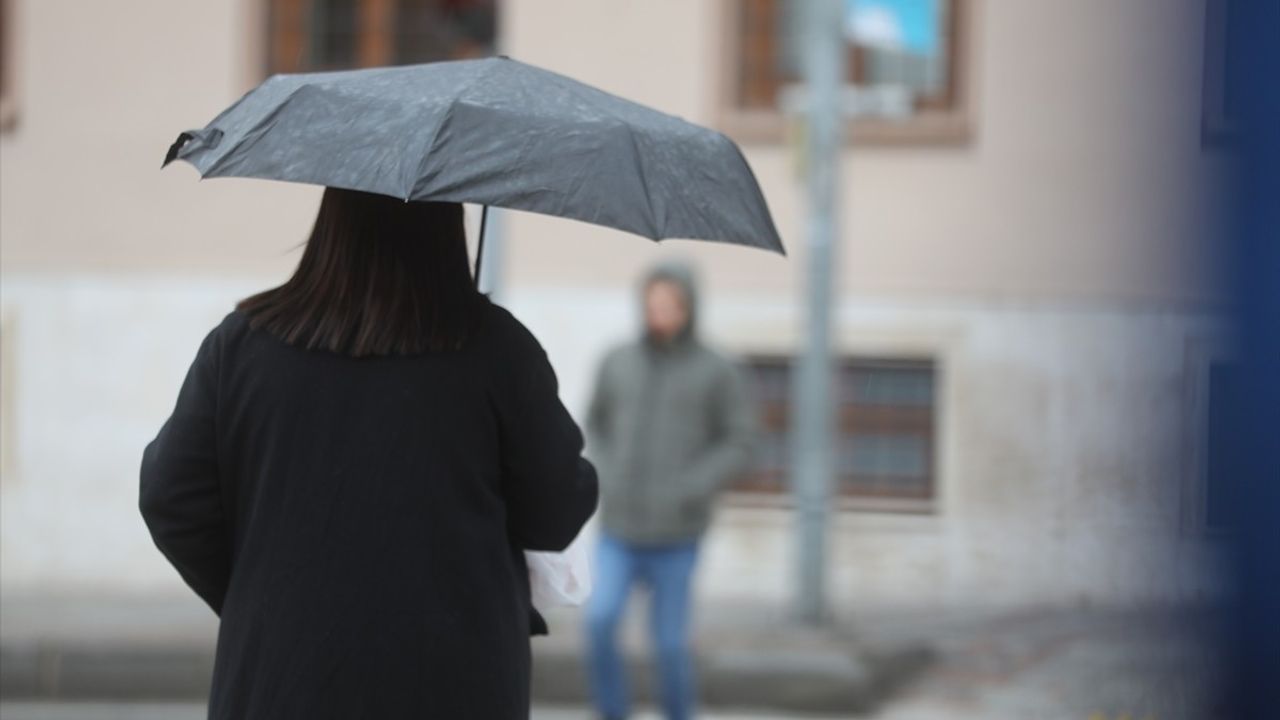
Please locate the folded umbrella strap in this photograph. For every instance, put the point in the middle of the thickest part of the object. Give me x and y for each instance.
(207, 138)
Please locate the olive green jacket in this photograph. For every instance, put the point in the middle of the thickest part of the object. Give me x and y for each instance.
(668, 425)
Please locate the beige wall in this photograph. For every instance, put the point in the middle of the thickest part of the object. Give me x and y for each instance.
(102, 89)
(1076, 183)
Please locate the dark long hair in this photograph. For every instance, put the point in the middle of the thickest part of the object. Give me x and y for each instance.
(379, 276)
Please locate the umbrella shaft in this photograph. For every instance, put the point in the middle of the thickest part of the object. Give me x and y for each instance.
(484, 217)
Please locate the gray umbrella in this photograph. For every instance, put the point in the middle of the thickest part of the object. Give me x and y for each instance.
(492, 132)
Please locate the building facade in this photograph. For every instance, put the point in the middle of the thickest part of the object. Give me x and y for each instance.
(1026, 334)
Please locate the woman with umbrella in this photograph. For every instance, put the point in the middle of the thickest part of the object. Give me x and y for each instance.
(355, 464)
(358, 457)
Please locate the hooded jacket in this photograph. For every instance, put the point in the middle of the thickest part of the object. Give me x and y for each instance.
(667, 426)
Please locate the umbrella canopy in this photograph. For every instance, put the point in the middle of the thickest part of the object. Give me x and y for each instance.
(493, 132)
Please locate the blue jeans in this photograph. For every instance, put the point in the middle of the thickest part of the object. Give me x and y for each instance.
(667, 570)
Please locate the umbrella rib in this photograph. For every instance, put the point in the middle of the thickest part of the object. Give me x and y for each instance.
(435, 134)
(427, 152)
(644, 180)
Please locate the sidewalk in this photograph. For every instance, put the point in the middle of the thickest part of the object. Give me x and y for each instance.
(747, 657)
(197, 711)
(1072, 665)
(162, 649)
(1041, 665)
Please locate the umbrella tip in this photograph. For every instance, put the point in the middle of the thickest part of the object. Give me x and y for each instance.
(177, 146)
(208, 138)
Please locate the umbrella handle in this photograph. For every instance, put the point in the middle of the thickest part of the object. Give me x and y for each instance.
(484, 217)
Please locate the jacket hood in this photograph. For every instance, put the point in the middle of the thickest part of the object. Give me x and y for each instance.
(683, 276)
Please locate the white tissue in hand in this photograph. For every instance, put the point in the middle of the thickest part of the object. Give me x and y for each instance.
(559, 579)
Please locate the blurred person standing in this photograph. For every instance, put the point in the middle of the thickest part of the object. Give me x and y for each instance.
(667, 426)
(356, 462)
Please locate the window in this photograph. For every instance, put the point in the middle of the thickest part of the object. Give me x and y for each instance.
(911, 47)
(771, 386)
(885, 434)
(311, 35)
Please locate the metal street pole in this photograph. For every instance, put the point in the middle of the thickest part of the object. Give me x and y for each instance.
(813, 424)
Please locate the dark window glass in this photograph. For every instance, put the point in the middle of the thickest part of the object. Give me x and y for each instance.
(431, 30)
(308, 35)
(335, 34)
(884, 434)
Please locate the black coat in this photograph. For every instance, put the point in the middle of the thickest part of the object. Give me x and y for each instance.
(358, 523)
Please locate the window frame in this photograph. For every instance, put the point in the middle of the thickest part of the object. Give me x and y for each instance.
(9, 40)
(750, 492)
(932, 126)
